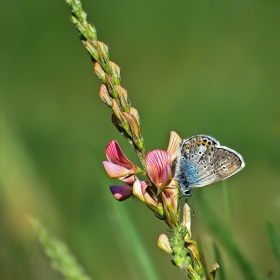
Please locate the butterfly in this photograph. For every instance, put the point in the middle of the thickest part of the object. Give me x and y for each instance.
(202, 161)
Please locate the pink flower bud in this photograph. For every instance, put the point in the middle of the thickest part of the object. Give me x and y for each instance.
(121, 192)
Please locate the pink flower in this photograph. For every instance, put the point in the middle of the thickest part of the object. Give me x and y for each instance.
(158, 168)
(158, 164)
(118, 165)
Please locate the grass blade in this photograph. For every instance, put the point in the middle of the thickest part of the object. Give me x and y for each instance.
(275, 241)
(230, 243)
(61, 258)
(219, 260)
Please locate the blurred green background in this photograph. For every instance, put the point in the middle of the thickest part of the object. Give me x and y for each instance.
(196, 67)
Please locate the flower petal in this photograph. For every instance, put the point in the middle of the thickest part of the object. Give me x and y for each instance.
(128, 179)
(167, 175)
(164, 244)
(138, 189)
(149, 198)
(121, 192)
(186, 219)
(134, 112)
(115, 170)
(115, 155)
(173, 144)
(172, 191)
(169, 211)
(156, 162)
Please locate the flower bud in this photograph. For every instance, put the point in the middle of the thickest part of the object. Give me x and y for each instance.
(99, 72)
(186, 220)
(104, 95)
(121, 192)
(122, 121)
(164, 244)
(92, 31)
(116, 72)
(103, 55)
(134, 113)
(135, 130)
(91, 50)
(112, 88)
(125, 103)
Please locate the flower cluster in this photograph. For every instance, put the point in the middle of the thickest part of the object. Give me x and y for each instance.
(160, 191)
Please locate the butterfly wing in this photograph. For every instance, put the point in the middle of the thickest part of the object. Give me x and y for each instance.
(203, 161)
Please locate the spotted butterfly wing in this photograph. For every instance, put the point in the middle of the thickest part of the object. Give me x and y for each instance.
(202, 161)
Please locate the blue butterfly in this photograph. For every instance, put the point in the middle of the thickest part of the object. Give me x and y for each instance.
(202, 161)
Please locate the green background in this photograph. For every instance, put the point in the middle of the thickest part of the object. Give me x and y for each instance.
(196, 67)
